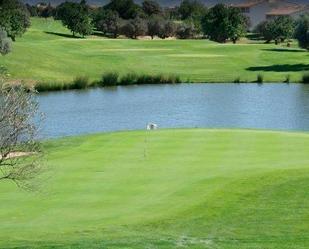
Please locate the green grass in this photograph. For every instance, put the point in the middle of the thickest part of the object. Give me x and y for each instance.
(231, 189)
(48, 57)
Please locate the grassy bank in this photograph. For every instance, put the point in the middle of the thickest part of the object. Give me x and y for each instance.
(47, 53)
(226, 189)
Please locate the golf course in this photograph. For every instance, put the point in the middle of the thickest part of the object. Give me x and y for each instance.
(47, 53)
(181, 188)
(137, 124)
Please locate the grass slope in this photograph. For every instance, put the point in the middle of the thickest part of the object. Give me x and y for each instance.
(229, 189)
(54, 56)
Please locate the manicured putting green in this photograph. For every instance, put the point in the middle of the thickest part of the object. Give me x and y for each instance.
(47, 53)
(231, 189)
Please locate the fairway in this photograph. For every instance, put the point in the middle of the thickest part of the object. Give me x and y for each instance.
(231, 189)
(48, 53)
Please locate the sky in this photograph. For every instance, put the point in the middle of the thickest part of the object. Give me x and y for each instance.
(162, 2)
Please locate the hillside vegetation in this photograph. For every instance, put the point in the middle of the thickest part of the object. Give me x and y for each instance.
(48, 53)
(163, 2)
(228, 189)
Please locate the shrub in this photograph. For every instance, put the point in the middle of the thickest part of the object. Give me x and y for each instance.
(132, 78)
(5, 42)
(173, 79)
(260, 78)
(80, 82)
(237, 80)
(110, 79)
(4, 73)
(129, 79)
(50, 86)
(157, 79)
(305, 78)
(146, 79)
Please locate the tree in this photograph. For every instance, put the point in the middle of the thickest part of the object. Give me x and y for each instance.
(265, 29)
(126, 9)
(46, 11)
(169, 29)
(192, 11)
(191, 8)
(155, 26)
(75, 17)
(186, 30)
(237, 24)
(110, 24)
(134, 28)
(98, 15)
(283, 28)
(222, 23)
(14, 17)
(5, 42)
(19, 147)
(215, 23)
(172, 13)
(128, 29)
(140, 26)
(151, 7)
(33, 11)
(278, 29)
(302, 31)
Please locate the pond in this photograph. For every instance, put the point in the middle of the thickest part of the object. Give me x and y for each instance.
(267, 106)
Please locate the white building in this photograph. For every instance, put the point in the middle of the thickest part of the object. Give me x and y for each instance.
(260, 10)
(293, 10)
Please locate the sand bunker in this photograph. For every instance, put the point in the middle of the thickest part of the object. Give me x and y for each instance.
(17, 154)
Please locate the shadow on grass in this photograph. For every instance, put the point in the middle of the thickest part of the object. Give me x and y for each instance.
(281, 68)
(98, 33)
(254, 37)
(284, 50)
(62, 35)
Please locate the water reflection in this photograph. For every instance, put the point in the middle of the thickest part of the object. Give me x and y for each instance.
(267, 106)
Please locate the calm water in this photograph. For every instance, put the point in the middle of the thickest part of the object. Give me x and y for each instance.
(267, 106)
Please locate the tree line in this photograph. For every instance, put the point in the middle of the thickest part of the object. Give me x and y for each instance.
(191, 19)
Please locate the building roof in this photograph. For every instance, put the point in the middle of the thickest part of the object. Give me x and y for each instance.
(249, 3)
(287, 9)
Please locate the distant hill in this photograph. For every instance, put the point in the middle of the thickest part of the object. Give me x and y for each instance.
(162, 2)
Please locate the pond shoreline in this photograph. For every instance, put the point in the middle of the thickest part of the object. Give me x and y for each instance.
(58, 87)
(112, 79)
